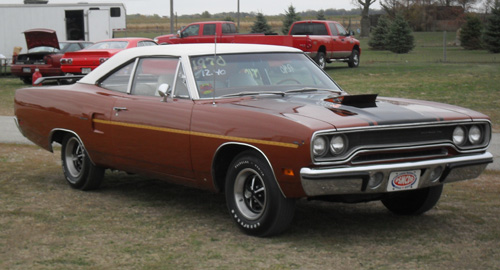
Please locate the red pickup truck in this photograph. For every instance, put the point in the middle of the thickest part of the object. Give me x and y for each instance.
(324, 41)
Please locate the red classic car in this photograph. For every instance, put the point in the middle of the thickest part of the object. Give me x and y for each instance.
(44, 53)
(263, 124)
(84, 61)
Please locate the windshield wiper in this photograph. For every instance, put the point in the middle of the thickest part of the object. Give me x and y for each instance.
(254, 93)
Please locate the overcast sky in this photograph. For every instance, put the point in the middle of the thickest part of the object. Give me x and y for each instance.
(267, 7)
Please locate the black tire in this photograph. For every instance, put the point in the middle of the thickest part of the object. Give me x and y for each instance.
(354, 59)
(414, 202)
(321, 60)
(254, 199)
(78, 170)
(26, 80)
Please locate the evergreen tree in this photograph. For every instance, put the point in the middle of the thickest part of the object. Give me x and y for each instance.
(491, 35)
(400, 37)
(378, 39)
(290, 17)
(260, 25)
(320, 16)
(470, 36)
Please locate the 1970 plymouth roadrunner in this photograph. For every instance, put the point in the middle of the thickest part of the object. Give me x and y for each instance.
(263, 124)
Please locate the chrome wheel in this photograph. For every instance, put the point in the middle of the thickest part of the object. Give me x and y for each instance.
(250, 194)
(75, 157)
(79, 171)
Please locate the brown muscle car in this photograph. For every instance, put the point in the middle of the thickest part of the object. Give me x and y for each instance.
(263, 124)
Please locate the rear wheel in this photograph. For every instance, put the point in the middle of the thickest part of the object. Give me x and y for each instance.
(321, 60)
(254, 199)
(79, 171)
(414, 202)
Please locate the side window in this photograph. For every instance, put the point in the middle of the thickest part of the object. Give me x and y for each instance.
(151, 73)
(228, 28)
(333, 29)
(181, 90)
(342, 31)
(192, 30)
(115, 12)
(209, 29)
(118, 81)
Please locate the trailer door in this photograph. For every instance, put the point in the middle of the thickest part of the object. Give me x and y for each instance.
(98, 25)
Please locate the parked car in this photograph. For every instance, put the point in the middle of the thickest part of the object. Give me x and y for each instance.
(263, 124)
(324, 41)
(44, 53)
(84, 61)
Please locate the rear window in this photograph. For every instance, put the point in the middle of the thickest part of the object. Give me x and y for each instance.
(309, 29)
(228, 28)
(108, 45)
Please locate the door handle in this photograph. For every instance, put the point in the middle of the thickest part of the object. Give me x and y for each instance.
(119, 109)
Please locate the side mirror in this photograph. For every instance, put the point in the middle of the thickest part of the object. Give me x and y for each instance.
(164, 91)
(179, 34)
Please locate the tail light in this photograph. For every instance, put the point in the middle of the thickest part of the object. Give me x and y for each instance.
(309, 43)
(103, 59)
(66, 61)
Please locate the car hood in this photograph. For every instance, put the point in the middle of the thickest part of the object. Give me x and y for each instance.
(41, 37)
(380, 112)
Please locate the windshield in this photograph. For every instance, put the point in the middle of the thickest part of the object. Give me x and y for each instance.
(257, 73)
(108, 45)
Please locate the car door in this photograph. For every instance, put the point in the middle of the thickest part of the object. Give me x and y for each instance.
(190, 34)
(208, 33)
(342, 47)
(151, 134)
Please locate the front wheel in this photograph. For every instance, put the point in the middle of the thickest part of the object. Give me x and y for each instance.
(354, 59)
(414, 202)
(79, 171)
(254, 199)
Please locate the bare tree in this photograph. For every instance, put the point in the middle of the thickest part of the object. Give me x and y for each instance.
(365, 18)
(466, 4)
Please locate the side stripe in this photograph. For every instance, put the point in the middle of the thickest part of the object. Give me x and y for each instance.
(193, 133)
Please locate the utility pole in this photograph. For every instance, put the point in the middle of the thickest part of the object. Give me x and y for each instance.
(238, 15)
(171, 16)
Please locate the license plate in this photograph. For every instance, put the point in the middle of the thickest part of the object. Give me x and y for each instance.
(404, 180)
(86, 70)
(27, 70)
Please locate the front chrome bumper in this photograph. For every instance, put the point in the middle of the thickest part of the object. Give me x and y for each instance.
(357, 180)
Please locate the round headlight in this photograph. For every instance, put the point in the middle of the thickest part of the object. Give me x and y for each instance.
(475, 135)
(338, 144)
(319, 146)
(459, 136)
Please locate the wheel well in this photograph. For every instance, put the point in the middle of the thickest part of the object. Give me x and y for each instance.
(356, 47)
(322, 49)
(222, 160)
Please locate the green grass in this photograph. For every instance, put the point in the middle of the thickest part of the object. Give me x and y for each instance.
(133, 222)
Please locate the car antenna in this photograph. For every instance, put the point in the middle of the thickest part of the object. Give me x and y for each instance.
(214, 66)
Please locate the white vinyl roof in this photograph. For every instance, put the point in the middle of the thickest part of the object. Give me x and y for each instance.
(179, 50)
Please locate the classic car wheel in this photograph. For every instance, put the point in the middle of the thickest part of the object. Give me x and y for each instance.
(254, 199)
(78, 170)
(354, 59)
(321, 60)
(414, 202)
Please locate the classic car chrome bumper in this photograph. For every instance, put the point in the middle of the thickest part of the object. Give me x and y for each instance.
(375, 178)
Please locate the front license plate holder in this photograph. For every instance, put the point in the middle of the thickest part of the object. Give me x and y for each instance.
(26, 70)
(86, 70)
(403, 180)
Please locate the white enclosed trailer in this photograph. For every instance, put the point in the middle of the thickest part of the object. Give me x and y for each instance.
(82, 21)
